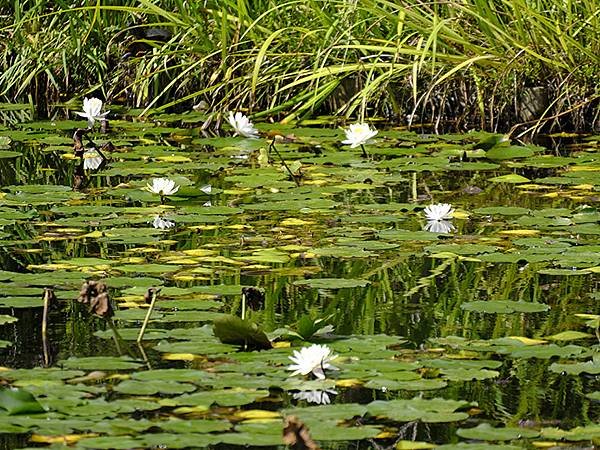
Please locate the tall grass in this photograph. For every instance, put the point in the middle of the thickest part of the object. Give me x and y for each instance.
(472, 63)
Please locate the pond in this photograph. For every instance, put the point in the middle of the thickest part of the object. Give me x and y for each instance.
(479, 331)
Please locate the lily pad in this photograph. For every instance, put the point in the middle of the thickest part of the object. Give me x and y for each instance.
(18, 401)
(100, 363)
(485, 432)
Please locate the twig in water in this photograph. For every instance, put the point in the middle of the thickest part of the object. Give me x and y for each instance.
(154, 293)
(144, 356)
(272, 146)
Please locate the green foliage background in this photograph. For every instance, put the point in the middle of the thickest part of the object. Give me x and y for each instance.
(466, 62)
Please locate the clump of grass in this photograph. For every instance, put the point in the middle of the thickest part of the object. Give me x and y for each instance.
(528, 65)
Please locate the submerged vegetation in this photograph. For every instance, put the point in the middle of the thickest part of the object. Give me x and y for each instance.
(489, 65)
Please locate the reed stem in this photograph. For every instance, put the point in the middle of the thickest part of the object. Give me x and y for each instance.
(272, 146)
(148, 313)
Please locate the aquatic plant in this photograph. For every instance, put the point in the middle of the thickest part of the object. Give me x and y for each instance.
(314, 359)
(94, 294)
(162, 187)
(92, 108)
(241, 125)
(359, 134)
(92, 160)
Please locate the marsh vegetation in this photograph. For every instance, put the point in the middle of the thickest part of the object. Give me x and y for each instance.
(456, 65)
(264, 243)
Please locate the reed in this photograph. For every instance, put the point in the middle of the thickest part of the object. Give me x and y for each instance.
(468, 64)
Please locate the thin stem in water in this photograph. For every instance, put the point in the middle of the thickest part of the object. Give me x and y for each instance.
(364, 151)
(272, 146)
(155, 292)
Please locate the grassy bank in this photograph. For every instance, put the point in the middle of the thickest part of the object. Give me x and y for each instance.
(458, 65)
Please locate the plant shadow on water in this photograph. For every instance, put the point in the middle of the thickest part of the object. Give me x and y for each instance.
(489, 330)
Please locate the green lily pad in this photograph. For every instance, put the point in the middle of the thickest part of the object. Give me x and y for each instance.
(194, 426)
(485, 432)
(110, 442)
(463, 446)
(591, 367)
(18, 401)
(21, 302)
(435, 410)
(226, 397)
(583, 433)
(100, 363)
(509, 152)
(135, 387)
(570, 335)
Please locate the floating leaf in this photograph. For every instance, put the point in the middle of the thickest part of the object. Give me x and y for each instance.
(134, 387)
(570, 335)
(18, 401)
(486, 446)
(584, 433)
(194, 426)
(226, 397)
(509, 152)
(427, 410)
(485, 432)
(110, 442)
(591, 367)
(512, 178)
(100, 363)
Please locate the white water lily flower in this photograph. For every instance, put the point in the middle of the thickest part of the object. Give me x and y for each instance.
(359, 134)
(162, 186)
(242, 125)
(92, 159)
(91, 110)
(439, 226)
(320, 397)
(313, 359)
(161, 223)
(440, 211)
(207, 189)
